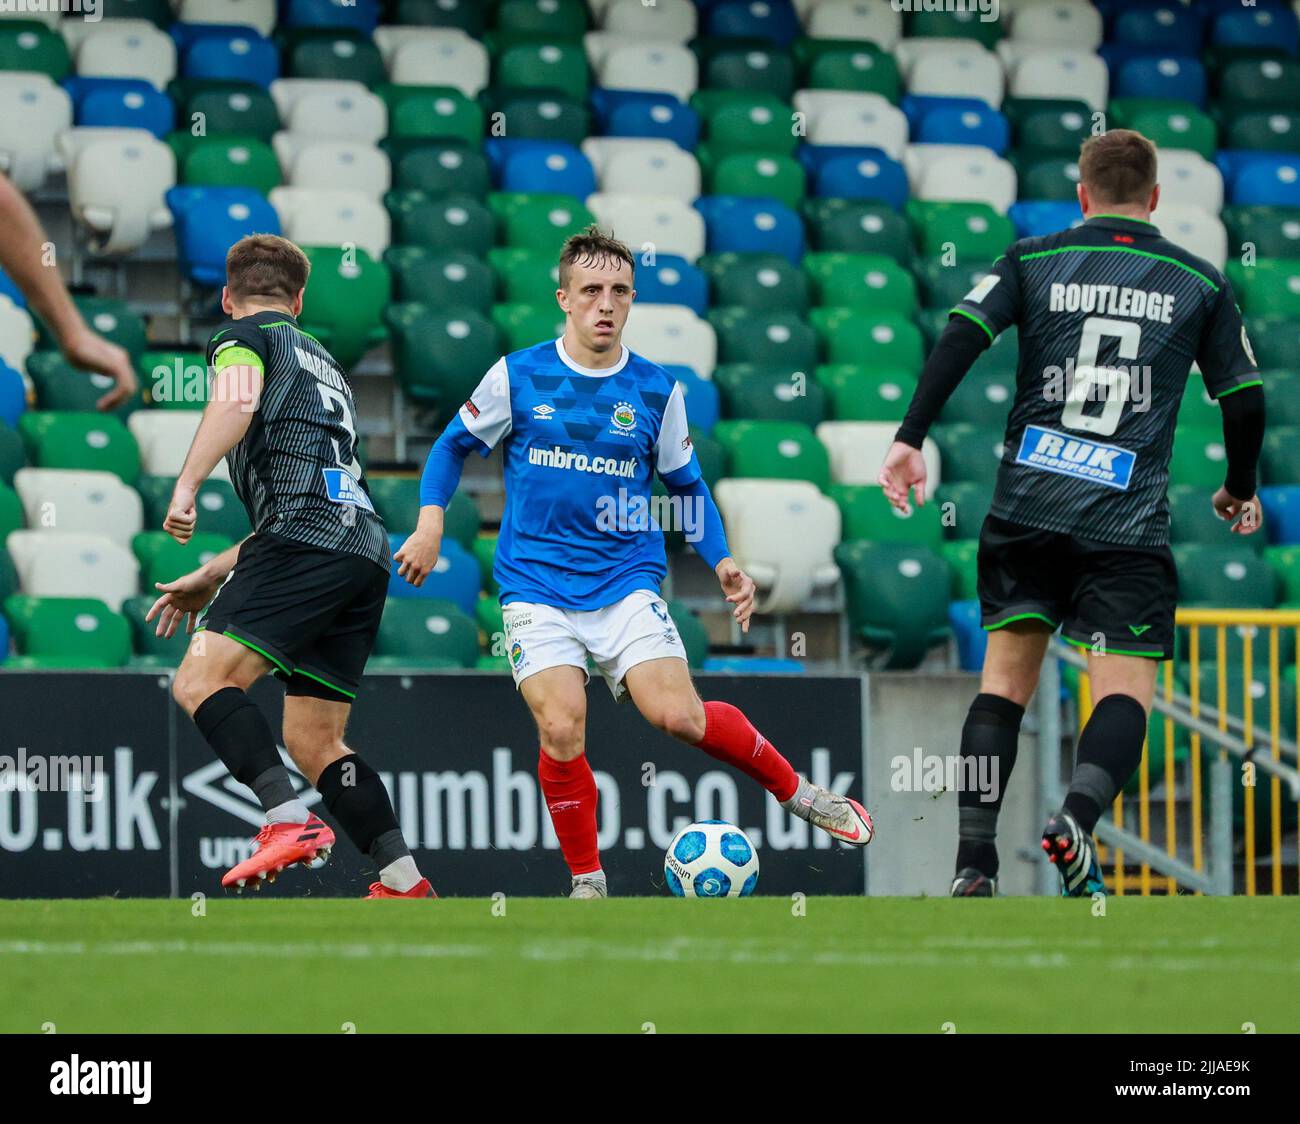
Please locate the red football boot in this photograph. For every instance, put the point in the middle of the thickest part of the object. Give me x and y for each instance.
(421, 889)
(280, 845)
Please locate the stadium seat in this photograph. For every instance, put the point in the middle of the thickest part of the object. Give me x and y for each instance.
(455, 577)
(340, 110)
(774, 450)
(770, 393)
(758, 282)
(1267, 288)
(968, 452)
(219, 509)
(782, 533)
(83, 630)
(972, 640)
(1050, 71)
(233, 55)
(347, 165)
(80, 440)
(33, 48)
(63, 499)
(416, 628)
(543, 222)
(750, 226)
(61, 386)
(668, 224)
(439, 357)
(1223, 577)
(669, 279)
(867, 515)
(897, 598)
(670, 334)
(69, 564)
(448, 224)
(1192, 519)
(117, 183)
(1281, 505)
(27, 137)
(1280, 459)
(857, 450)
(442, 168)
(962, 173)
(774, 337)
(982, 398)
(348, 293)
(522, 325)
(557, 169)
(700, 396)
(209, 221)
(861, 281)
(1198, 458)
(163, 559)
(163, 438)
(330, 217)
(856, 227)
(958, 73)
(856, 393)
(882, 340)
(881, 24)
(13, 454)
(13, 395)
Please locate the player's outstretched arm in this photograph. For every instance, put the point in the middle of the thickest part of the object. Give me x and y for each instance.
(1243, 438)
(183, 599)
(418, 555)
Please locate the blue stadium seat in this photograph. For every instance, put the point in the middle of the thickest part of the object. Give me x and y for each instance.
(456, 578)
(4, 639)
(241, 57)
(209, 220)
(185, 35)
(950, 125)
(701, 398)
(1037, 218)
(549, 167)
(972, 640)
(129, 109)
(659, 116)
(672, 280)
(604, 102)
(79, 88)
(751, 226)
(1261, 28)
(863, 177)
(1272, 181)
(500, 150)
(742, 19)
(917, 107)
(10, 289)
(13, 395)
(1178, 77)
(354, 15)
(1281, 503)
(1166, 27)
(752, 665)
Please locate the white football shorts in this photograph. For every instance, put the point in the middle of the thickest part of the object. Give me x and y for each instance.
(618, 637)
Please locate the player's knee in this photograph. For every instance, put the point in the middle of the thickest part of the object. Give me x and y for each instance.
(685, 722)
(190, 688)
(562, 734)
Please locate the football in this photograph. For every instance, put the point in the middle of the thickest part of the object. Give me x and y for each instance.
(711, 859)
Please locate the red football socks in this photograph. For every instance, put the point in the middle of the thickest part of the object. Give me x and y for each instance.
(570, 791)
(729, 737)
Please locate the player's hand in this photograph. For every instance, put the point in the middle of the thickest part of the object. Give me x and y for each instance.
(181, 602)
(903, 470)
(181, 515)
(417, 556)
(1246, 516)
(739, 588)
(90, 352)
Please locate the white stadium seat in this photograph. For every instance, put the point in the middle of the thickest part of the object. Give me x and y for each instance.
(49, 14)
(164, 438)
(356, 115)
(67, 499)
(1062, 23)
(651, 168)
(672, 334)
(39, 112)
(1050, 72)
(1187, 178)
(116, 182)
(664, 224)
(1195, 230)
(662, 67)
(17, 333)
(911, 51)
(460, 62)
(258, 14)
(857, 450)
(68, 564)
(966, 74)
(960, 173)
(783, 534)
(390, 38)
(112, 51)
(327, 217)
(349, 165)
(673, 20)
(868, 120)
(856, 19)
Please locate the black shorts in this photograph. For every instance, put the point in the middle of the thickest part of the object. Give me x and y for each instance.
(1104, 596)
(313, 613)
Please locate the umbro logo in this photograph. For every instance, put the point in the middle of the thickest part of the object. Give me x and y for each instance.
(543, 412)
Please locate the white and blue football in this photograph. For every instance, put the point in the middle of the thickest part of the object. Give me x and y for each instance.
(711, 859)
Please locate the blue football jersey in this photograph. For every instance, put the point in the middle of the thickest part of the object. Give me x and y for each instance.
(580, 450)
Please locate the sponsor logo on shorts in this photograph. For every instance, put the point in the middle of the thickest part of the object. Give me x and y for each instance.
(557, 457)
(1068, 455)
(343, 487)
(517, 655)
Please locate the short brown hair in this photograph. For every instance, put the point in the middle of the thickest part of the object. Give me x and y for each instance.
(266, 265)
(591, 247)
(1118, 167)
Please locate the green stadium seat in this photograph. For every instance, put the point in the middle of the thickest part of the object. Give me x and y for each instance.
(861, 281)
(868, 516)
(484, 549)
(523, 325)
(982, 399)
(454, 223)
(858, 66)
(881, 341)
(174, 380)
(1283, 391)
(1269, 288)
(751, 68)
(440, 168)
(777, 338)
(420, 628)
(241, 110)
(774, 450)
(969, 452)
(1267, 130)
(1265, 83)
(11, 512)
(1180, 126)
(896, 596)
(219, 509)
(1285, 561)
(338, 55)
(543, 222)
(770, 393)
(1048, 125)
(33, 46)
(695, 637)
(975, 232)
(433, 113)
(547, 65)
(962, 556)
(563, 19)
(1048, 178)
(8, 579)
(954, 25)
(439, 357)
(442, 280)
(163, 559)
(711, 455)
(546, 117)
(223, 160)
(348, 293)
(396, 500)
(113, 319)
(753, 123)
(61, 386)
(145, 642)
(855, 226)
(1192, 520)
(470, 16)
(1198, 408)
(525, 276)
(1276, 342)
(859, 393)
(80, 440)
(13, 453)
(1280, 458)
(491, 622)
(1274, 231)
(945, 286)
(1223, 577)
(80, 629)
(1199, 458)
(758, 282)
(761, 176)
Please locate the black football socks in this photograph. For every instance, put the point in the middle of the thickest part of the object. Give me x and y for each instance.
(240, 735)
(1110, 749)
(357, 798)
(989, 739)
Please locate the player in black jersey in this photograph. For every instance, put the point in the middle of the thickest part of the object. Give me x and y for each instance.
(303, 595)
(1111, 318)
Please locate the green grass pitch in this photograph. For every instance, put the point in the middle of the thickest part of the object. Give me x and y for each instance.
(633, 965)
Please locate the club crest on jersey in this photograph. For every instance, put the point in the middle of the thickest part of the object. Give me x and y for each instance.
(342, 487)
(1069, 455)
(623, 417)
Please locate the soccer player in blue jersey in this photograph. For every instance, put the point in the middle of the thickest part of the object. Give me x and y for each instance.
(584, 425)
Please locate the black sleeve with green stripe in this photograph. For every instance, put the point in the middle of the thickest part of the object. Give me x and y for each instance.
(1224, 356)
(995, 303)
(959, 346)
(234, 339)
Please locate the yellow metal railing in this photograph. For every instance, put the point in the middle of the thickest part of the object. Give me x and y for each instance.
(1246, 622)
